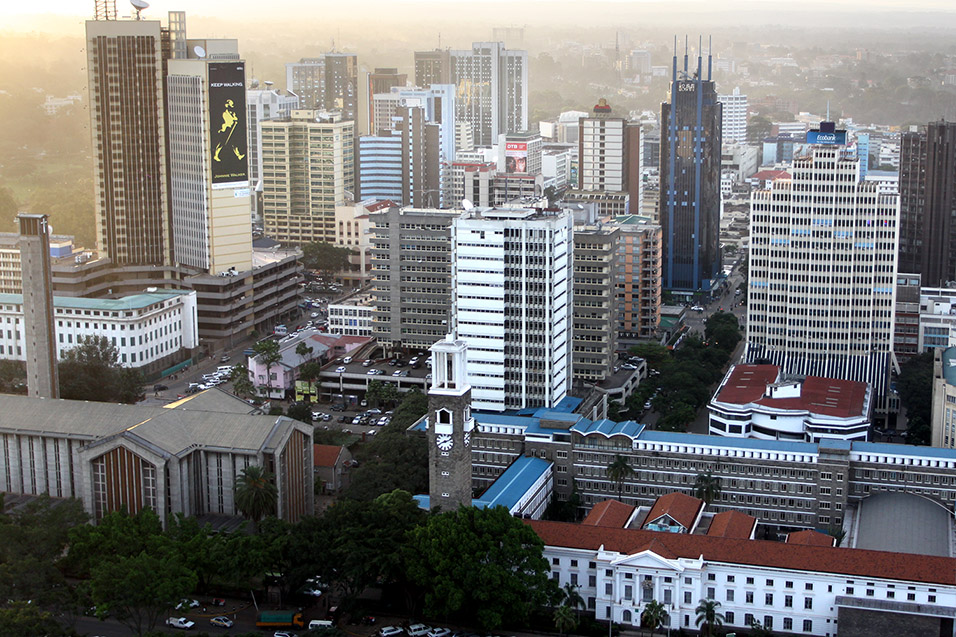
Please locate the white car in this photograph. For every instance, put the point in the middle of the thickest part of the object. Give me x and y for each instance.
(391, 631)
(340, 369)
(180, 622)
(418, 630)
(347, 360)
(697, 308)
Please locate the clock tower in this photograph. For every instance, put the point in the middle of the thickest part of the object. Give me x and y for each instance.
(449, 427)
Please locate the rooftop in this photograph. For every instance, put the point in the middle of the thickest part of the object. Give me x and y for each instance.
(127, 303)
(515, 482)
(811, 538)
(904, 522)
(610, 513)
(821, 559)
(678, 506)
(732, 524)
(751, 384)
(325, 455)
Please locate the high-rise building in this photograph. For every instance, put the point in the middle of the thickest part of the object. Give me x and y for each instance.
(519, 153)
(928, 203)
(379, 173)
(690, 180)
(734, 125)
(263, 104)
(609, 158)
(308, 167)
(638, 312)
(328, 82)
(596, 268)
(38, 330)
(822, 274)
(512, 302)
(378, 82)
(491, 84)
(128, 125)
(210, 204)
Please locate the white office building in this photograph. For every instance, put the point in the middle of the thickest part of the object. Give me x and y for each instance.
(352, 318)
(734, 124)
(491, 90)
(512, 304)
(261, 105)
(822, 272)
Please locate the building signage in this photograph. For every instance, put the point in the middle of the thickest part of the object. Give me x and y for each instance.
(836, 138)
(516, 157)
(227, 123)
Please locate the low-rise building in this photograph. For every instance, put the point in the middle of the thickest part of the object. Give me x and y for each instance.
(352, 317)
(276, 379)
(332, 464)
(755, 401)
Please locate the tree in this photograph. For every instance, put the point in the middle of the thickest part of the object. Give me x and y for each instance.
(655, 615)
(379, 393)
(414, 405)
(481, 565)
(677, 417)
(116, 534)
(256, 493)
(619, 471)
(758, 127)
(267, 353)
(304, 350)
(571, 597)
(708, 617)
(91, 371)
(241, 385)
(655, 355)
(300, 411)
(915, 387)
(310, 372)
(325, 257)
(392, 461)
(23, 618)
(707, 487)
(565, 619)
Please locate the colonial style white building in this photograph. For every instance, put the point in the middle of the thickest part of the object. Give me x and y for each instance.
(146, 329)
(754, 402)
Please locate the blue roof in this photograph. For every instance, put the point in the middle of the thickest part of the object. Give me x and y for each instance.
(608, 427)
(911, 450)
(949, 365)
(423, 501)
(130, 302)
(551, 414)
(568, 404)
(834, 443)
(491, 418)
(511, 485)
(743, 443)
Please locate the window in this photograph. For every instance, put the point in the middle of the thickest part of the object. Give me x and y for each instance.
(555, 561)
(730, 595)
(931, 599)
(808, 625)
(609, 589)
(729, 617)
(769, 582)
(788, 601)
(890, 595)
(750, 580)
(711, 592)
(711, 577)
(730, 578)
(748, 619)
(574, 579)
(592, 581)
(788, 584)
(849, 590)
(768, 599)
(808, 586)
(574, 562)
(911, 597)
(750, 597)
(687, 597)
(767, 622)
(788, 623)
(808, 603)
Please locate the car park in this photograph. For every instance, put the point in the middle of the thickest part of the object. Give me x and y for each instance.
(221, 622)
(375, 372)
(439, 632)
(397, 372)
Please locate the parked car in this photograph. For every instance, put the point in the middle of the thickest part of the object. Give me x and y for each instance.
(186, 604)
(697, 308)
(368, 363)
(340, 369)
(337, 407)
(180, 622)
(418, 630)
(347, 360)
(357, 420)
(160, 387)
(439, 632)
(225, 358)
(390, 631)
(343, 418)
(221, 622)
(397, 372)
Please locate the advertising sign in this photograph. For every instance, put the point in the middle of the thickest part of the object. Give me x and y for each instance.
(835, 138)
(227, 119)
(516, 157)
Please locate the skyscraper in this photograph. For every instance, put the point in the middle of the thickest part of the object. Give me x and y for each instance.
(609, 157)
(127, 117)
(823, 269)
(432, 67)
(308, 166)
(263, 104)
(208, 158)
(328, 82)
(381, 81)
(690, 180)
(735, 109)
(928, 203)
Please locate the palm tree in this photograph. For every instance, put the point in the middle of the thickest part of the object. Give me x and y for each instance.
(256, 493)
(655, 615)
(268, 354)
(309, 372)
(619, 471)
(708, 617)
(707, 487)
(571, 597)
(304, 350)
(564, 619)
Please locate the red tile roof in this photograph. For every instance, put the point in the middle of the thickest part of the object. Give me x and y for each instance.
(811, 538)
(825, 396)
(771, 175)
(820, 559)
(325, 455)
(380, 205)
(732, 524)
(610, 513)
(679, 506)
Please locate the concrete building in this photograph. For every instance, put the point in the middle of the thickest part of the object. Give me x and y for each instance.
(638, 312)
(184, 458)
(352, 317)
(308, 168)
(380, 176)
(906, 323)
(432, 67)
(353, 231)
(519, 152)
(379, 81)
(596, 269)
(263, 105)
(512, 294)
(556, 167)
(927, 164)
(735, 111)
(332, 464)
(754, 401)
(37, 308)
(210, 202)
(822, 277)
(690, 181)
(937, 318)
(128, 124)
(610, 153)
(741, 159)
(411, 267)
(944, 398)
(328, 82)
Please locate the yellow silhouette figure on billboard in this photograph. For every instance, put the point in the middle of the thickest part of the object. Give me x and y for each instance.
(229, 123)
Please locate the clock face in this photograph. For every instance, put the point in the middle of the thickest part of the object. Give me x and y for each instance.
(444, 442)
(467, 439)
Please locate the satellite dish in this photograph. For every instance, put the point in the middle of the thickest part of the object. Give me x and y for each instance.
(269, 84)
(139, 5)
(467, 205)
(199, 51)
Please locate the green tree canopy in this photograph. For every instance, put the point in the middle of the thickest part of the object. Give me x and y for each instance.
(381, 393)
(91, 371)
(708, 617)
(267, 353)
(241, 385)
(480, 565)
(325, 257)
(654, 615)
(414, 405)
(915, 387)
(22, 618)
(256, 493)
(619, 471)
(707, 487)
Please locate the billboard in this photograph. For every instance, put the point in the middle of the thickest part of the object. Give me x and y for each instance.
(227, 121)
(516, 157)
(837, 137)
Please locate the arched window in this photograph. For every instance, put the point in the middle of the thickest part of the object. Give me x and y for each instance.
(626, 617)
(444, 416)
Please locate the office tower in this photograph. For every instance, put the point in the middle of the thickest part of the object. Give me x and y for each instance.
(328, 82)
(512, 302)
(208, 158)
(404, 164)
(378, 82)
(928, 203)
(734, 124)
(609, 157)
(432, 67)
(263, 104)
(127, 121)
(596, 272)
(639, 62)
(38, 330)
(823, 269)
(638, 310)
(411, 267)
(308, 167)
(863, 152)
(690, 181)
(519, 153)
(450, 427)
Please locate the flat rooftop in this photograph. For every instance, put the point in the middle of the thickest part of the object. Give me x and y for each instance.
(904, 523)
